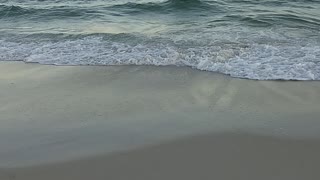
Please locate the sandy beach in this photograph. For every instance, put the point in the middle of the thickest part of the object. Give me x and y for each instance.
(147, 122)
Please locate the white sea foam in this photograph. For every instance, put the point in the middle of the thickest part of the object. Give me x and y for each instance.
(262, 61)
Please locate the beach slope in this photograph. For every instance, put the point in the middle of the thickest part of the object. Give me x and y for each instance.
(146, 122)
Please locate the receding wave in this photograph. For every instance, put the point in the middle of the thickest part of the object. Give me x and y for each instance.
(264, 60)
(267, 39)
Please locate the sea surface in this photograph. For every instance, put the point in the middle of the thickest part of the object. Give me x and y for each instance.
(254, 39)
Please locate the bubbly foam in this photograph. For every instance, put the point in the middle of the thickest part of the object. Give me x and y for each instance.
(254, 60)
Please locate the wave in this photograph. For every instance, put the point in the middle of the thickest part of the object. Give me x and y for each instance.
(290, 20)
(275, 19)
(12, 10)
(47, 13)
(79, 11)
(167, 6)
(252, 60)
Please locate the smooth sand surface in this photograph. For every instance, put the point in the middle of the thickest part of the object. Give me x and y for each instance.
(144, 122)
(206, 157)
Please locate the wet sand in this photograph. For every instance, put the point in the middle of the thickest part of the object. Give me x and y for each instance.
(221, 156)
(144, 122)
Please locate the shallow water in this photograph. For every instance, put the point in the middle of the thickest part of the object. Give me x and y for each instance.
(269, 39)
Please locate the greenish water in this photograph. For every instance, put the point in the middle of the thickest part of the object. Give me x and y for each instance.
(266, 39)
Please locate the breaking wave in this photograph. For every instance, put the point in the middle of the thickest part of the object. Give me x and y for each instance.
(261, 61)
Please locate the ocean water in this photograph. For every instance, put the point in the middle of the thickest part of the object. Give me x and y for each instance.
(265, 39)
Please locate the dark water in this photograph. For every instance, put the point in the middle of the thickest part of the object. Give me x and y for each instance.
(266, 39)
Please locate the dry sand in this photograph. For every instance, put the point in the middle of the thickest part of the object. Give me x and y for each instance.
(143, 122)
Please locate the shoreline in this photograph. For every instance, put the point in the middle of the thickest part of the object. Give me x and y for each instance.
(162, 66)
